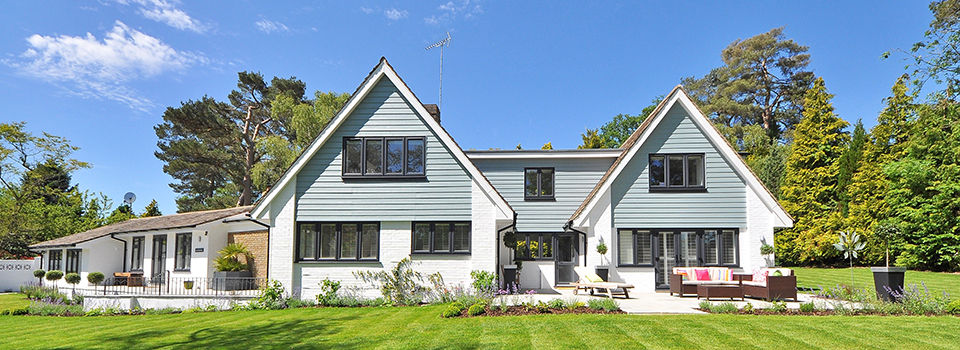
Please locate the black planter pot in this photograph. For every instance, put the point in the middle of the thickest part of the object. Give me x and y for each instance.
(886, 279)
(509, 275)
(603, 272)
(233, 280)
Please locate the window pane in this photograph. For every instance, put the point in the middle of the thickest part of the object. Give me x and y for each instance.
(369, 241)
(656, 171)
(688, 249)
(522, 251)
(328, 241)
(533, 246)
(546, 246)
(530, 183)
(644, 247)
(352, 156)
(308, 242)
(415, 156)
(374, 157)
(676, 170)
(625, 247)
(394, 156)
(348, 241)
(421, 237)
(695, 170)
(461, 237)
(441, 237)
(729, 248)
(710, 247)
(546, 182)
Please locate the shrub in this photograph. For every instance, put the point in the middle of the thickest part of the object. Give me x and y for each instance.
(484, 282)
(295, 303)
(476, 309)
(229, 258)
(556, 304)
(917, 300)
(72, 278)
(573, 304)
(748, 308)
(271, 297)
(54, 275)
(163, 311)
(44, 293)
(725, 307)
(328, 291)
(54, 308)
(605, 304)
(95, 278)
(705, 305)
(19, 312)
(454, 310)
(808, 307)
(400, 286)
(38, 274)
(779, 306)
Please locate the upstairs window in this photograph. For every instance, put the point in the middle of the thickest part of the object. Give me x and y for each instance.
(538, 183)
(676, 172)
(384, 157)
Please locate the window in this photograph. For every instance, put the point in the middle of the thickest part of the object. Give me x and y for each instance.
(635, 247)
(687, 247)
(184, 247)
(535, 246)
(676, 172)
(73, 261)
(441, 237)
(136, 254)
(728, 247)
(332, 241)
(54, 258)
(383, 157)
(538, 183)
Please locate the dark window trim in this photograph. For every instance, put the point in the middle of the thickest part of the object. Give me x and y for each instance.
(553, 175)
(51, 260)
(433, 229)
(339, 226)
(654, 245)
(136, 260)
(540, 235)
(176, 253)
(666, 187)
(383, 156)
(72, 261)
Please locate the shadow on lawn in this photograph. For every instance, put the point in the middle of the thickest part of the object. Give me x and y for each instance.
(264, 332)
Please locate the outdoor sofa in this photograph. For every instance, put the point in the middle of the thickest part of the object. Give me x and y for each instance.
(684, 280)
(771, 283)
(592, 282)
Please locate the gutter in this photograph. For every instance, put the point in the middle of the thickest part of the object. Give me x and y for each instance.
(512, 225)
(123, 258)
(569, 227)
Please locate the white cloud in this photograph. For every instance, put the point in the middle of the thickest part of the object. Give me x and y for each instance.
(101, 68)
(394, 14)
(366, 10)
(166, 12)
(268, 26)
(451, 10)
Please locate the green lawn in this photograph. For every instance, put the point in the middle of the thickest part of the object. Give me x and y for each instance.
(13, 301)
(421, 328)
(935, 281)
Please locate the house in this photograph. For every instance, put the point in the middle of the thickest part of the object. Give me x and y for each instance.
(178, 246)
(384, 181)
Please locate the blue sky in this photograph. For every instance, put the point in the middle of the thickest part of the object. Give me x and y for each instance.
(101, 73)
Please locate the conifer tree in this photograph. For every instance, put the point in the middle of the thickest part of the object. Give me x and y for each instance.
(850, 161)
(809, 191)
(152, 209)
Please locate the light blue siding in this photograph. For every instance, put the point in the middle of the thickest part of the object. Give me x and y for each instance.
(323, 195)
(575, 178)
(722, 205)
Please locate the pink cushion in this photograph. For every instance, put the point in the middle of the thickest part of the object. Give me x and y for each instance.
(760, 276)
(702, 274)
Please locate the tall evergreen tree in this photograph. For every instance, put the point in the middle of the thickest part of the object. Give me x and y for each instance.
(809, 192)
(849, 163)
(152, 209)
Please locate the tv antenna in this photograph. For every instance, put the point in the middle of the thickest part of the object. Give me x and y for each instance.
(441, 44)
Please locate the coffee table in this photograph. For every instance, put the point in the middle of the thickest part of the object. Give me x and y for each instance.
(720, 291)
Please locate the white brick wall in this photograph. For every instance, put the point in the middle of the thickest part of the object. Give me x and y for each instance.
(759, 229)
(281, 237)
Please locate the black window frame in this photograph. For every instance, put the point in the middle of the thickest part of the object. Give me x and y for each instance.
(550, 236)
(655, 247)
(539, 197)
(339, 230)
(72, 261)
(182, 265)
(383, 174)
(686, 187)
(136, 253)
(431, 239)
(51, 260)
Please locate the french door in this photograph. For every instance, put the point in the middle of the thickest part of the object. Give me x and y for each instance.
(159, 262)
(674, 248)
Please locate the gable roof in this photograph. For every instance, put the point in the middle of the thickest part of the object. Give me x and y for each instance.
(181, 220)
(726, 150)
(382, 70)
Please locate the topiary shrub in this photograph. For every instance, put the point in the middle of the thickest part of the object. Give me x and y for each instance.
(72, 278)
(54, 275)
(95, 278)
(476, 309)
(38, 274)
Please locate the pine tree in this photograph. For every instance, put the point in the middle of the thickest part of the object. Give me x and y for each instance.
(809, 192)
(151, 210)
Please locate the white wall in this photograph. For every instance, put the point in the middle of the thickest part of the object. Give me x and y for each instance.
(14, 273)
(282, 219)
(759, 229)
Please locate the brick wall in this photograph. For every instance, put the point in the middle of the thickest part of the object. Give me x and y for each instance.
(256, 243)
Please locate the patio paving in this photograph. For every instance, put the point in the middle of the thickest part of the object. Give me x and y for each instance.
(654, 303)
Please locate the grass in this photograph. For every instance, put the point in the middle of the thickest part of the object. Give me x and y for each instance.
(13, 301)
(817, 277)
(422, 328)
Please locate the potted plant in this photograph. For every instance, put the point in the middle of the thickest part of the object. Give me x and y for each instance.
(850, 245)
(511, 273)
(232, 267)
(767, 251)
(603, 270)
(188, 285)
(887, 279)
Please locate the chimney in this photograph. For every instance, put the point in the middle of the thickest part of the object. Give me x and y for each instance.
(434, 111)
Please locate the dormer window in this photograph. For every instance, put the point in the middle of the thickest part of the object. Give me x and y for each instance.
(676, 172)
(384, 157)
(538, 184)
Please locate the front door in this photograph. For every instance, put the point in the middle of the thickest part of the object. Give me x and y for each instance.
(159, 264)
(566, 258)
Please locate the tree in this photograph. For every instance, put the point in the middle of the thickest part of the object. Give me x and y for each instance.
(547, 146)
(766, 158)
(615, 132)
(122, 213)
(809, 192)
(937, 56)
(152, 209)
(849, 163)
(763, 81)
(591, 139)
